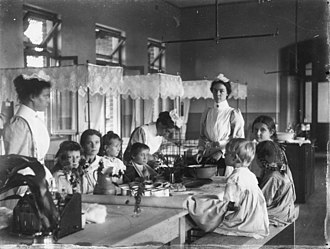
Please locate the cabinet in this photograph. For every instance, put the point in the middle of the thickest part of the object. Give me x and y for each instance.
(301, 163)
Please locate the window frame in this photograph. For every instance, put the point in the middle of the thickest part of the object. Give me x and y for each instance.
(119, 49)
(160, 57)
(50, 54)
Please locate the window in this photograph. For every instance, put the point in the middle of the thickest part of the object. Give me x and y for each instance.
(156, 56)
(41, 32)
(109, 46)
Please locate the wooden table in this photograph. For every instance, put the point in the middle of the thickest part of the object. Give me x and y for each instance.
(153, 226)
(162, 219)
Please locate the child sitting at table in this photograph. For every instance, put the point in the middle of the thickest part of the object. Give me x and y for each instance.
(111, 173)
(242, 211)
(263, 129)
(65, 172)
(277, 183)
(137, 166)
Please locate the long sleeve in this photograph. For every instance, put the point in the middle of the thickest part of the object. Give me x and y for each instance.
(202, 133)
(237, 124)
(269, 189)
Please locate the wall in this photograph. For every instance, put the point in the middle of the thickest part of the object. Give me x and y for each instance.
(11, 34)
(247, 60)
(139, 19)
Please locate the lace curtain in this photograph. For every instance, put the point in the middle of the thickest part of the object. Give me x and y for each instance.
(99, 79)
(152, 86)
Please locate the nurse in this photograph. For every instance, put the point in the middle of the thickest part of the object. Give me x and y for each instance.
(152, 135)
(26, 134)
(219, 124)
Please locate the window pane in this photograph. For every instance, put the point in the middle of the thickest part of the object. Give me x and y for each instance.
(34, 32)
(35, 61)
(109, 43)
(64, 105)
(323, 102)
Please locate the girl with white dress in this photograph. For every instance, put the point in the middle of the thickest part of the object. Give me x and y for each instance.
(242, 211)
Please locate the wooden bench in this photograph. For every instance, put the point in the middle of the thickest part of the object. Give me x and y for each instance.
(284, 235)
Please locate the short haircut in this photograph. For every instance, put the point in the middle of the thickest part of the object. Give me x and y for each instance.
(87, 133)
(226, 84)
(27, 87)
(137, 148)
(243, 148)
(269, 122)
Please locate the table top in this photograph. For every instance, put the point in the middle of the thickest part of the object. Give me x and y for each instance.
(121, 224)
(122, 227)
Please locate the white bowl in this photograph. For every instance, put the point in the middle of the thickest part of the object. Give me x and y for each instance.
(285, 136)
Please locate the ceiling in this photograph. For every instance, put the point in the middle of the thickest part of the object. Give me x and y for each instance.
(194, 3)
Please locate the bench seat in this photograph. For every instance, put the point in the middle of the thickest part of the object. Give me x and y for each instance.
(284, 235)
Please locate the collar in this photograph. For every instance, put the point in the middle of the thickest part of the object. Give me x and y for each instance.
(25, 111)
(221, 105)
(153, 128)
(111, 159)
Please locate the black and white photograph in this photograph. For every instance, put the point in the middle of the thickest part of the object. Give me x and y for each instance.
(164, 124)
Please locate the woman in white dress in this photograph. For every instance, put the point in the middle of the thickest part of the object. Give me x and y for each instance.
(26, 134)
(152, 135)
(219, 124)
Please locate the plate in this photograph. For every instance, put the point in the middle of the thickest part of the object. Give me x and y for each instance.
(195, 183)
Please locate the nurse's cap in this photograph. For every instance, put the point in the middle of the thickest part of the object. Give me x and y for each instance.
(178, 121)
(41, 76)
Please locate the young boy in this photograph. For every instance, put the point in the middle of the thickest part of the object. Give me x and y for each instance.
(243, 211)
(138, 167)
(65, 171)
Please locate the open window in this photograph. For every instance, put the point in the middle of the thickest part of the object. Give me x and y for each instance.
(41, 33)
(109, 46)
(156, 56)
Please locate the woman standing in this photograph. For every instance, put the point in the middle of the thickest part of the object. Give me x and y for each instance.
(219, 123)
(26, 133)
(152, 135)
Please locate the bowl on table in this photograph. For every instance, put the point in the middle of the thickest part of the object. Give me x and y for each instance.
(202, 171)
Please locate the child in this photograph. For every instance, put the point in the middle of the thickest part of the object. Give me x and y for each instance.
(65, 171)
(276, 184)
(242, 211)
(111, 143)
(263, 129)
(138, 166)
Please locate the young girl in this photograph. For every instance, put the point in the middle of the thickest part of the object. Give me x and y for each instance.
(65, 171)
(277, 183)
(263, 129)
(242, 211)
(90, 141)
(138, 166)
(111, 144)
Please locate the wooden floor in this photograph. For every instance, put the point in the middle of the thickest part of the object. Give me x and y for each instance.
(310, 225)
